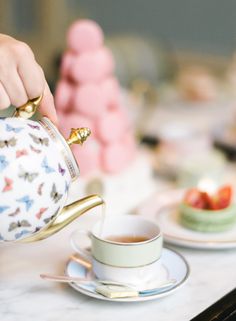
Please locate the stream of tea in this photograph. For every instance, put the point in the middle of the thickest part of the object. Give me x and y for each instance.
(103, 214)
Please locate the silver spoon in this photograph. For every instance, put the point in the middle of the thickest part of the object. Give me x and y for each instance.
(69, 279)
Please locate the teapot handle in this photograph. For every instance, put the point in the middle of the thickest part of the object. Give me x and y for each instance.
(28, 109)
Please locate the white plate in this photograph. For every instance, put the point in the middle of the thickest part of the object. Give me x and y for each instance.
(174, 233)
(174, 266)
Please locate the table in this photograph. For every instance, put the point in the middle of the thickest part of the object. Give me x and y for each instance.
(25, 297)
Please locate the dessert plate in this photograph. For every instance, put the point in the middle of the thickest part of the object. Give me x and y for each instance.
(173, 266)
(175, 233)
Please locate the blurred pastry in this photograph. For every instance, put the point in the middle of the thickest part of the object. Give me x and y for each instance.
(63, 95)
(205, 212)
(88, 95)
(116, 156)
(92, 66)
(196, 84)
(111, 91)
(89, 157)
(89, 100)
(67, 61)
(84, 35)
(111, 126)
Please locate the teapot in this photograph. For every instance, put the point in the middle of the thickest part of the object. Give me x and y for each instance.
(37, 167)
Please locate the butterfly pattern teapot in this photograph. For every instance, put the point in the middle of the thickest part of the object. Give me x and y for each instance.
(36, 170)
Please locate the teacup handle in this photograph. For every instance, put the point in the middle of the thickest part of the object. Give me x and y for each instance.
(74, 241)
(28, 109)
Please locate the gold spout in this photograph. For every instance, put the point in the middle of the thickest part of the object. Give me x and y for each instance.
(66, 216)
(78, 135)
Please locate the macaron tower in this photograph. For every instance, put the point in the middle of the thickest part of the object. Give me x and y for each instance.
(88, 95)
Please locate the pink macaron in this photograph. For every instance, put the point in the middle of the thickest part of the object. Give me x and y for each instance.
(88, 157)
(89, 100)
(130, 142)
(111, 91)
(67, 63)
(111, 126)
(114, 157)
(84, 35)
(92, 66)
(63, 95)
(73, 120)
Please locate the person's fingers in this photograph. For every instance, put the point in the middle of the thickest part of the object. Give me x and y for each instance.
(32, 77)
(35, 84)
(14, 87)
(47, 107)
(4, 99)
(22, 78)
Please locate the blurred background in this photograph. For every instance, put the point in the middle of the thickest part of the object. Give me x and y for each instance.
(175, 62)
(205, 29)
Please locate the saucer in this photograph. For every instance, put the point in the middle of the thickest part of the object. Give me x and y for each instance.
(176, 234)
(173, 266)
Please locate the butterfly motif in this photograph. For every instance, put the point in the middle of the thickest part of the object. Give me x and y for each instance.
(67, 185)
(55, 195)
(9, 128)
(48, 219)
(21, 152)
(3, 208)
(3, 162)
(37, 228)
(22, 233)
(40, 212)
(39, 140)
(61, 170)
(27, 201)
(8, 185)
(7, 143)
(14, 225)
(34, 126)
(37, 151)
(40, 189)
(26, 175)
(16, 212)
(46, 167)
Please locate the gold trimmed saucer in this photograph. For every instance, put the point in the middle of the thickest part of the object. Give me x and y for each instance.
(173, 264)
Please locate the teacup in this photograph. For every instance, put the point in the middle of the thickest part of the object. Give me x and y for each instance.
(123, 248)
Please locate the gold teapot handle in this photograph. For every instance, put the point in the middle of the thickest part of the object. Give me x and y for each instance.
(28, 109)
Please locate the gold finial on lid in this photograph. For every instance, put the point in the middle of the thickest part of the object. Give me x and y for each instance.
(78, 135)
(28, 109)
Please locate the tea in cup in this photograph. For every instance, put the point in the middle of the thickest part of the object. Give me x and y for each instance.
(123, 248)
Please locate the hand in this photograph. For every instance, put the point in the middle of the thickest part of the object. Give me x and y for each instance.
(21, 78)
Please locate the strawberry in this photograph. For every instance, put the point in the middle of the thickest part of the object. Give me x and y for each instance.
(195, 198)
(222, 198)
(202, 200)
